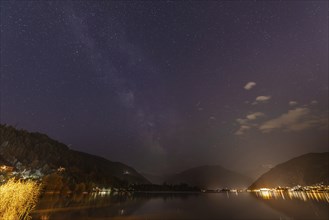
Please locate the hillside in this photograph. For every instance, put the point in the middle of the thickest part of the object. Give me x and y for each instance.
(211, 177)
(39, 154)
(307, 169)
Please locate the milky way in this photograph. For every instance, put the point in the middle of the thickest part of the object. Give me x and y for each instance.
(165, 85)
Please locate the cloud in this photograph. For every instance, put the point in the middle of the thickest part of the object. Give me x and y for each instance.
(262, 98)
(249, 85)
(242, 130)
(314, 102)
(267, 166)
(298, 119)
(248, 122)
(242, 121)
(293, 103)
(255, 115)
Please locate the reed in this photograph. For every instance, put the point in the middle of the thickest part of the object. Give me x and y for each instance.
(18, 198)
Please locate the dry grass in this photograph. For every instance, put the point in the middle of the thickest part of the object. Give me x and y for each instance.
(17, 199)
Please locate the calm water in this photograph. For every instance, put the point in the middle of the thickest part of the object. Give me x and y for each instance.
(185, 206)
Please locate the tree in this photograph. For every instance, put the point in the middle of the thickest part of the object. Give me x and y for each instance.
(80, 188)
(53, 182)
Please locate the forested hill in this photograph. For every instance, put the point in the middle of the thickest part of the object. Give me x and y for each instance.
(38, 154)
(308, 169)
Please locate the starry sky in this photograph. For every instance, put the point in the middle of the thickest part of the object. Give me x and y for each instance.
(167, 85)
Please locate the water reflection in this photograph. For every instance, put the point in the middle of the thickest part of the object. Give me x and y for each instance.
(263, 205)
(297, 204)
(81, 206)
(301, 195)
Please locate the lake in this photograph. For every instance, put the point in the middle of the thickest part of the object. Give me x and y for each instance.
(227, 205)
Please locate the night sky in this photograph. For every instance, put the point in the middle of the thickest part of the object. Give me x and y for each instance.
(168, 85)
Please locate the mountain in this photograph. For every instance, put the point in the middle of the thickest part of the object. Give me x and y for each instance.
(154, 178)
(307, 169)
(211, 177)
(37, 153)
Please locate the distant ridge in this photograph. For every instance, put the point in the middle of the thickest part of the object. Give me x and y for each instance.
(307, 169)
(36, 151)
(211, 177)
